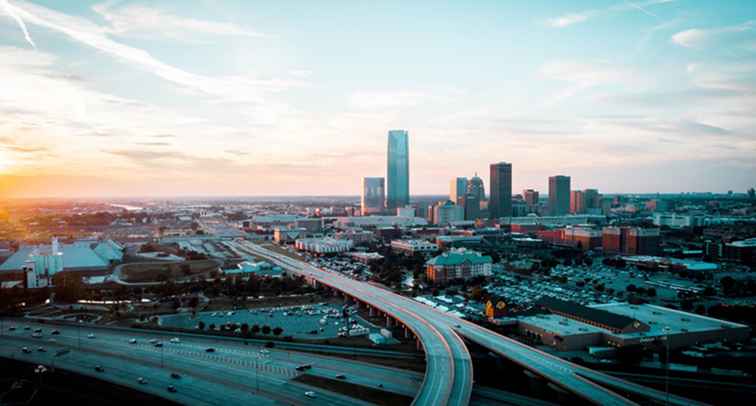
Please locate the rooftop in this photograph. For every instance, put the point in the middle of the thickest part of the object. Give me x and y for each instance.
(459, 257)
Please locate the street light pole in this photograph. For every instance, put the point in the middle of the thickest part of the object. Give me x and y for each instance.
(666, 380)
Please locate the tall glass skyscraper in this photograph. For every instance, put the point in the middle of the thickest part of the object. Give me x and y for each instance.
(500, 203)
(559, 195)
(373, 195)
(398, 169)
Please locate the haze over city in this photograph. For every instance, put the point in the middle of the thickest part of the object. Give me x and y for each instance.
(125, 98)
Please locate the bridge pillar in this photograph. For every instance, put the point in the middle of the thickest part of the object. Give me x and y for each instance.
(418, 344)
(406, 332)
(371, 311)
(389, 321)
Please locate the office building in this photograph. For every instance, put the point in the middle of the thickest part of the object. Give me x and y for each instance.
(397, 169)
(630, 240)
(592, 201)
(559, 195)
(447, 212)
(471, 206)
(500, 204)
(577, 202)
(530, 196)
(476, 187)
(410, 247)
(373, 195)
(457, 190)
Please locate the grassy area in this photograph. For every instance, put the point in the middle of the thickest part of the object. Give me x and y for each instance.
(372, 395)
(157, 271)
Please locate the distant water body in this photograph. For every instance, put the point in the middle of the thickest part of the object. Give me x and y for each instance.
(127, 207)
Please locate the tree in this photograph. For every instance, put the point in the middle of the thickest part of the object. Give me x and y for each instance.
(631, 288)
(255, 329)
(201, 325)
(212, 327)
(277, 331)
(245, 329)
(266, 329)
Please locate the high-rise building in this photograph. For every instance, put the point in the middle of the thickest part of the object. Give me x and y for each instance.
(500, 204)
(457, 190)
(530, 196)
(398, 169)
(373, 195)
(559, 195)
(475, 186)
(577, 202)
(472, 206)
(592, 200)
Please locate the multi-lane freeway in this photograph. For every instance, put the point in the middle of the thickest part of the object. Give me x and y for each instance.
(232, 374)
(448, 378)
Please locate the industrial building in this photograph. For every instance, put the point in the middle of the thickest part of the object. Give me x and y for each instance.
(569, 326)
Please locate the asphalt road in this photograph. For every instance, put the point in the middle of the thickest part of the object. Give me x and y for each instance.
(235, 374)
(448, 379)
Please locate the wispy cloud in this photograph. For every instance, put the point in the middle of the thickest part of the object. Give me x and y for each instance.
(11, 11)
(573, 18)
(238, 88)
(700, 37)
(139, 20)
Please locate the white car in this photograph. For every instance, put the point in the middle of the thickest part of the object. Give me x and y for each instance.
(90, 335)
(310, 394)
(133, 341)
(175, 340)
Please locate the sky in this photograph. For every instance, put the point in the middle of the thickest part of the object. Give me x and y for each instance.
(244, 98)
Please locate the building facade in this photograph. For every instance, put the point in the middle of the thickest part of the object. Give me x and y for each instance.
(458, 264)
(559, 195)
(500, 203)
(457, 190)
(373, 196)
(397, 169)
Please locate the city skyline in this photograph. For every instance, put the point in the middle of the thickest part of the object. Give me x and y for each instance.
(248, 99)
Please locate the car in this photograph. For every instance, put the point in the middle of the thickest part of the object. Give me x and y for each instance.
(310, 394)
(210, 349)
(158, 344)
(36, 335)
(175, 340)
(153, 340)
(25, 350)
(171, 389)
(99, 368)
(341, 376)
(37, 330)
(55, 332)
(142, 381)
(27, 328)
(175, 375)
(41, 349)
(133, 341)
(380, 385)
(90, 335)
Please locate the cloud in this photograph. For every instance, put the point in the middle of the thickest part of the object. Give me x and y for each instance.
(385, 99)
(245, 89)
(581, 76)
(700, 37)
(573, 18)
(11, 11)
(143, 21)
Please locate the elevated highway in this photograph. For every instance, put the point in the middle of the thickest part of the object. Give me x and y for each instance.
(448, 379)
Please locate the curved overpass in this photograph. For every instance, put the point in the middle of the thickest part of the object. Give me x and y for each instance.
(448, 379)
(448, 358)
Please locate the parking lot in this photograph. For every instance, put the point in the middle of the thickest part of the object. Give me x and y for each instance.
(318, 321)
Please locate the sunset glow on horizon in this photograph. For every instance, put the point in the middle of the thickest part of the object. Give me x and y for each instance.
(143, 98)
